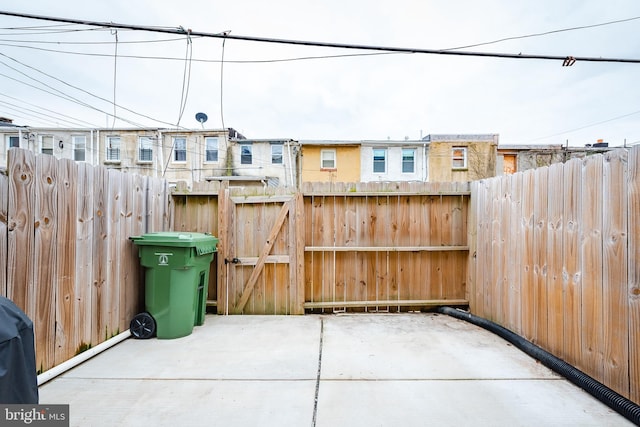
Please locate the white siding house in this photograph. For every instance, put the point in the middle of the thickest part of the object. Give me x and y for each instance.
(394, 161)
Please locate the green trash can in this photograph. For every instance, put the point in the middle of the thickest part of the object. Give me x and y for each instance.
(176, 279)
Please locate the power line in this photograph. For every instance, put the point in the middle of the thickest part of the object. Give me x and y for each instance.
(79, 88)
(46, 109)
(583, 27)
(169, 58)
(321, 44)
(586, 126)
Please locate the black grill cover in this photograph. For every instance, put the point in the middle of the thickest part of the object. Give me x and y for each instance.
(18, 377)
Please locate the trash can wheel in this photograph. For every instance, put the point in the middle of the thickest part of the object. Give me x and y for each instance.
(143, 326)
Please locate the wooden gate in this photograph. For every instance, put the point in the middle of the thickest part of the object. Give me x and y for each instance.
(260, 257)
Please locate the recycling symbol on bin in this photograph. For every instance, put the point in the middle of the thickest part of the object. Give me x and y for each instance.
(163, 258)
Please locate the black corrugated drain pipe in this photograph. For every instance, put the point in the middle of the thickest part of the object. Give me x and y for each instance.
(604, 394)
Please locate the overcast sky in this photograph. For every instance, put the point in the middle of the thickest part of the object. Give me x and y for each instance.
(354, 98)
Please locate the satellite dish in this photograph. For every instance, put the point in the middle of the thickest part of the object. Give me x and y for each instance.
(201, 117)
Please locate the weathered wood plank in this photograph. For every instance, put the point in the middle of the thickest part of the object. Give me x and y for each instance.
(591, 359)
(554, 252)
(101, 243)
(633, 296)
(46, 218)
(400, 303)
(83, 262)
(540, 257)
(4, 215)
(385, 248)
(614, 277)
(527, 266)
(572, 261)
(66, 261)
(20, 243)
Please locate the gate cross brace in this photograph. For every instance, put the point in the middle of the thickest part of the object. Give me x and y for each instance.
(263, 256)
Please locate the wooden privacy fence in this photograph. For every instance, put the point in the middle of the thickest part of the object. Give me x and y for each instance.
(555, 256)
(365, 246)
(65, 257)
(385, 246)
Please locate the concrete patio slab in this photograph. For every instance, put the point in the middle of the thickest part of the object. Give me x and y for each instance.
(375, 370)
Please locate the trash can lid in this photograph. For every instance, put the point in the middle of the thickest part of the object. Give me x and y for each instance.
(203, 242)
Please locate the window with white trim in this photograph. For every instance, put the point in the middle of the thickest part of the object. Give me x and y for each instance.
(379, 160)
(408, 160)
(459, 158)
(327, 159)
(46, 144)
(79, 147)
(276, 154)
(113, 149)
(179, 149)
(13, 141)
(145, 149)
(246, 154)
(211, 149)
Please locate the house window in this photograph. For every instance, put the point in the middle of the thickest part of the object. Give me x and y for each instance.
(179, 149)
(79, 148)
(459, 158)
(245, 154)
(328, 159)
(276, 154)
(113, 149)
(46, 145)
(408, 160)
(145, 149)
(13, 141)
(379, 160)
(211, 149)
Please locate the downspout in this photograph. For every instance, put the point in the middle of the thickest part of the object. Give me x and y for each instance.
(290, 163)
(604, 394)
(97, 147)
(92, 144)
(424, 162)
(160, 155)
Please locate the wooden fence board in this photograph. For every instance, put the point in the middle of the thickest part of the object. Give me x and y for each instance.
(614, 277)
(109, 315)
(633, 221)
(66, 316)
(526, 273)
(572, 256)
(554, 252)
(83, 263)
(101, 243)
(20, 249)
(540, 258)
(46, 219)
(514, 248)
(496, 283)
(591, 247)
(4, 215)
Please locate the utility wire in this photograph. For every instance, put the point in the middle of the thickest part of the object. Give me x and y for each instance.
(79, 88)
(586, 126)
(323, 44)
(62, 95)
(50, 111)
(92, 43)
(583, 27)
(169, 58)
